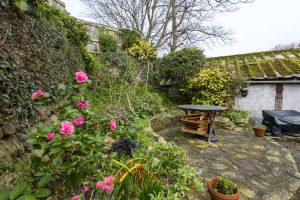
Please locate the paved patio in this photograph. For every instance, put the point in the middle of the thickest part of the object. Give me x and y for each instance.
(261, 167)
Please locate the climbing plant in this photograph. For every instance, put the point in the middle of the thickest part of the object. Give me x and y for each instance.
(39, 49)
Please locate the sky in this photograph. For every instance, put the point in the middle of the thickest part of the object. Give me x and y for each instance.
(258, 26)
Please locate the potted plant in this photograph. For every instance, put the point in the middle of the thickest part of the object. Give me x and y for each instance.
(222, 188)
(244, 92)
(259, 130)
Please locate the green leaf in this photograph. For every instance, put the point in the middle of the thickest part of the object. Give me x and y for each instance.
(27, 190)
(42, 193)
(21, 4)
(61, 87)
(4, 194)
(55, 150)
(57, 159)
(44, 180)
(27, 197)
(17, 190)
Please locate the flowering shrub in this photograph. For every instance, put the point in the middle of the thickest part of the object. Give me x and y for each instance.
(75, 151)
(214, 86)
(142, 50)
(77, 146)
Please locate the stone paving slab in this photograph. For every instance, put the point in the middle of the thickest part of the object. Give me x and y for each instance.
(262, 168)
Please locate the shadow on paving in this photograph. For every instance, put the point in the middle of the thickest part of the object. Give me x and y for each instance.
(262, 168)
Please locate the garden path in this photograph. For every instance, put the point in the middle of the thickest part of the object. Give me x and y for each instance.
(262, 168)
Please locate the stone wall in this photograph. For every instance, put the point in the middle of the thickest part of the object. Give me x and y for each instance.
(291, 97)
(92, 27)
(15, 151)
(93, 32)
(57, 4)
(262, 97)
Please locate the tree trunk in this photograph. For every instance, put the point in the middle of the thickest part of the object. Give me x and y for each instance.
(174, 26)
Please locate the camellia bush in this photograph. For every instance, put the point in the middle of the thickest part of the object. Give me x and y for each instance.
(78, 153)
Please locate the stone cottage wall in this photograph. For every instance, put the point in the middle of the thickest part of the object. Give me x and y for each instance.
(262, 97)
(291, 97)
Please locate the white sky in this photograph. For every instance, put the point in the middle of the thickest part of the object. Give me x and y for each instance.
(258, 26)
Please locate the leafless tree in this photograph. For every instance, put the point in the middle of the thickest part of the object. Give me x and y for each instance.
(293, 45)
(167, 23)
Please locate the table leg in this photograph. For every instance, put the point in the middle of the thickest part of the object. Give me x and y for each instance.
(212, 123)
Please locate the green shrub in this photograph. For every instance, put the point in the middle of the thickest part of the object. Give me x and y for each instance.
(142, 50)
(107, 42)
(179, 67)
(213, 86)
(129, 38)
(235, 115)
(147, 103)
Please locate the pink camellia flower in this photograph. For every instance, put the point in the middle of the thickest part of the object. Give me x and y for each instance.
(81, 77)
(78, 121)
(106, 185)
(85, 189)
(50, 136)
(108, 180)
(76, 197)
(107, 189)
(82, 104)
(66, 128)
(100, 184)
(112, 124)
(37, 94)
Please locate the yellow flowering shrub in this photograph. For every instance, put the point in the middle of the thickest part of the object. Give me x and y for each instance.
(213, 86)
(142, 50)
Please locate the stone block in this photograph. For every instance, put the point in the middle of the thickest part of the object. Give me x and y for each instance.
(8, 129)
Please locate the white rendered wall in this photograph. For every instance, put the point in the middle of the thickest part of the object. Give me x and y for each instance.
(260, 97)
(291, 97)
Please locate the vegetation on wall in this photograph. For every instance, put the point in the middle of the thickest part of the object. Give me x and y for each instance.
(39, 50)
(85, 154)
(107, 42)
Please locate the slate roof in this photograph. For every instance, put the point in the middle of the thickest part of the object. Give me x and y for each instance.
(268, 65)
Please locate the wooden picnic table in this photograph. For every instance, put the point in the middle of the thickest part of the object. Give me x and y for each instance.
(200, 119)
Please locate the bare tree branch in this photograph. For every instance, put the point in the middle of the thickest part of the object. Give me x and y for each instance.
(167, 23)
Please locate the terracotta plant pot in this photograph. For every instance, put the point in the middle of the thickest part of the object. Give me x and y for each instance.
(218, 196)
(259, 132)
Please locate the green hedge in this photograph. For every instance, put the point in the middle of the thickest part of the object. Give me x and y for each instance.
(179, 67)
(40, 50)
